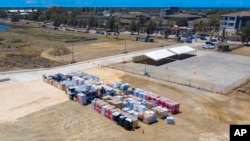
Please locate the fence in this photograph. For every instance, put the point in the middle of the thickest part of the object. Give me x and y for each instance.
(237, 84)
(159, 74)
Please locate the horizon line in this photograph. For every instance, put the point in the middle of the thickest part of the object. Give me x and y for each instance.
(187, 7)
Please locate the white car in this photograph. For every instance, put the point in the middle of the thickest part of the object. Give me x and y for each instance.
(208, 45)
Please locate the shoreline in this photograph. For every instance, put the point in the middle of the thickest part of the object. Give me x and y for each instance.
(21, 23)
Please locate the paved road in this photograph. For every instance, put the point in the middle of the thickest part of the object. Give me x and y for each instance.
(34, 74)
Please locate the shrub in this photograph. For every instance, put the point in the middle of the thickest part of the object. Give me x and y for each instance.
(16, 41)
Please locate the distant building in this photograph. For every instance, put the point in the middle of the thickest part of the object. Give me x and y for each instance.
(108, 14)
(154, 15)
(21, 12)
(126, 19)
(169, 11)
(97, 18)
(234, 20)
(142, 38)
(183, 15)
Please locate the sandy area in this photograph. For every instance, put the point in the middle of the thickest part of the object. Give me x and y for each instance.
(22, 99)
(205, 116)
(106, 75)
(242, 51)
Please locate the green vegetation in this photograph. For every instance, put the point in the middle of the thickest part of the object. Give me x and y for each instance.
(133, 26)
(14, 18)
(150, 27)
(37, 16)
(47, 35)
(78, 37)
(181, 21)
(16, 40)
(3, 14)
(214, 22)
(245, 33)
(200, 26)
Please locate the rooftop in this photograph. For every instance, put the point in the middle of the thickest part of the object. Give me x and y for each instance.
(182, 15)
(240, 14)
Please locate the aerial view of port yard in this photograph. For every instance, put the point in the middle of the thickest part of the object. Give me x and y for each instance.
(124, 70)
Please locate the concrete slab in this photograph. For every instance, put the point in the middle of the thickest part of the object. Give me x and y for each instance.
(212, 71)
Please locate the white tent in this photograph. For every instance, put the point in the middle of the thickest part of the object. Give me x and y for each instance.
(159, 54)
(156, 57)
(163, 56)
(182, 50)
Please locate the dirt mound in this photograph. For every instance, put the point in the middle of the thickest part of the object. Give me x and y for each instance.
(60, 51)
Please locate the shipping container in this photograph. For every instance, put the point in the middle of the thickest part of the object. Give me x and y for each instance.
(170, 120)
(128, 124)
(82, 99)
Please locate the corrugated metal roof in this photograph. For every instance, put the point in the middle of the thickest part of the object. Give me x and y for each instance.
(181, 50)
(159, 54)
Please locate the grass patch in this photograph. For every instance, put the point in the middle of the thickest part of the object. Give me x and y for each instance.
(48, 35)
(16, 41)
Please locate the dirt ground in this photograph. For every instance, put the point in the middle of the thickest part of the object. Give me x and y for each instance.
(242, 51)
(94, 49)
(22, 41)
(22, 99)
(205, 116)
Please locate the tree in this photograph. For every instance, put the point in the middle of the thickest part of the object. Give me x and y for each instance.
(75, 12)
(92, 22)
(100, 25)
(133, 26)
(54, 12)
(42, 17)
(167, 32)
(111, 23)
(56, 22)
(117, 26)
(150, 27)
(200, 26)
(3, 14)
(141, 21)
(214, 22)
(160, 23)
(58, 16)
(245, 31)
(33, 16)
(14, 18)
(181, 22)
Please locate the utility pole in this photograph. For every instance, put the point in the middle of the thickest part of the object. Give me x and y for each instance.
(161, 41)
(145, 71)
(72, 50)
(125, 46)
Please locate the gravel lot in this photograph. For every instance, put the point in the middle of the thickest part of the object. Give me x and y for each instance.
(213, 71)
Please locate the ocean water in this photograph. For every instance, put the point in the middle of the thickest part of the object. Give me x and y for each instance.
(128, 3)
(4, 27)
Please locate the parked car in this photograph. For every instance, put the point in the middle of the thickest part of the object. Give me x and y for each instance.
(208, 45)
(189, 39)
(214, 40)
(203, 38)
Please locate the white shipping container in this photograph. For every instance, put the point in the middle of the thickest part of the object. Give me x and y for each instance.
(104, 107)
(93, 104)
